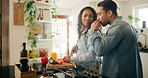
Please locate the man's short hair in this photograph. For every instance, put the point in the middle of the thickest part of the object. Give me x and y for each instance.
(108, 5)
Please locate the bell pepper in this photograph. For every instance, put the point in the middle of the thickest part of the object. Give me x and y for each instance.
(52, 61)
(59, 61)
(53, 55)
(44, 60)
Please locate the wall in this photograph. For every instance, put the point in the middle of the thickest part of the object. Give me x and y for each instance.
(17, 36)
(65, 11)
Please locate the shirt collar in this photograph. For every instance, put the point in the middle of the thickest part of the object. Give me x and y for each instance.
(85, 30)
(117, 19)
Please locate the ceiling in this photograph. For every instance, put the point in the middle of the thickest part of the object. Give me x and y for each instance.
(74, 3)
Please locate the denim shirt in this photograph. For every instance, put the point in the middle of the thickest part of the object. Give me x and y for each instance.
(82, 48)
(121, 58)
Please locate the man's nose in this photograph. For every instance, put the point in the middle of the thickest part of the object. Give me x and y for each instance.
(98, 18)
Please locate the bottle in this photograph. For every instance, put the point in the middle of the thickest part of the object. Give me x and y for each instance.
(24, 65)
(41, 14)
(24, 51)
(143, 24)
(46, 1)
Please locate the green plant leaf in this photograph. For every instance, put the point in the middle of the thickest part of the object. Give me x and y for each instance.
(130, 17)
(31, 11)
(53, 8)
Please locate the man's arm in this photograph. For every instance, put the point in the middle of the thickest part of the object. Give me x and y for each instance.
(98, 46)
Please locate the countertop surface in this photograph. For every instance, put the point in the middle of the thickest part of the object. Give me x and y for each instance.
(144, 50)
(9, 72)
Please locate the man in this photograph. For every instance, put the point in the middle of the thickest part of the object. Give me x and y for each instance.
(118, 47)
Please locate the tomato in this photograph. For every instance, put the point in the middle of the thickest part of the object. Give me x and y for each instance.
(44, 60)
(66, 61)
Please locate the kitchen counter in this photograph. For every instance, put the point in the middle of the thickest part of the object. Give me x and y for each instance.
(144, 50)
(144, 58)
(9, 72)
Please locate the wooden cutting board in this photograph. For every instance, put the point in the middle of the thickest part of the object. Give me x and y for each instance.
(18, 11)
(52, 66)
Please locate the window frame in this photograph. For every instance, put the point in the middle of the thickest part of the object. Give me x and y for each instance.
(135, 12)
(68, 23)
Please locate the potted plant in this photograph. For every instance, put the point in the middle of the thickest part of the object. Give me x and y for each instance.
(31, 13)
(54, 8)
(136, 20)
(31, 16)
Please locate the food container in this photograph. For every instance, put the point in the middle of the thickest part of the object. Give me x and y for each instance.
(43, 52)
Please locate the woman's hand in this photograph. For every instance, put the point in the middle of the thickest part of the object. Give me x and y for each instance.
(67, 59)
(74, 49)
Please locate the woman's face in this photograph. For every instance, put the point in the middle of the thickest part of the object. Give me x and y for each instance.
(87, 17)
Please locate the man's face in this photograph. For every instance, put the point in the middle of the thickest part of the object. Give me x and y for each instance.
(102, 16)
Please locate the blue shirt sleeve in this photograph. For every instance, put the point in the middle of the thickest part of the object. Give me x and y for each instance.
(109, 41)
(89, 56)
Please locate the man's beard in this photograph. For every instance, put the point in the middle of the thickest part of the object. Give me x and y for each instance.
(104, 23)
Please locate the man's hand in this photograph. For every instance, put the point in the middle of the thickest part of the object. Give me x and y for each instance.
(96, 25)
(67, 59)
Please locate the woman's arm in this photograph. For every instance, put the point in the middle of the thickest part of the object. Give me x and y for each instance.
(88, 56)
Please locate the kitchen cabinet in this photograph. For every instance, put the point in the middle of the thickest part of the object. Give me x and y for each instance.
(144, 57)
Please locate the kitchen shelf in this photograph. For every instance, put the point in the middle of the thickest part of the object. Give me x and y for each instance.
(46, 22)
(43, 3)
(42, 21)
(44, 39)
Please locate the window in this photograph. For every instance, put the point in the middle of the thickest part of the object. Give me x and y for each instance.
(142, 13)
(66, 36)
(61, 36)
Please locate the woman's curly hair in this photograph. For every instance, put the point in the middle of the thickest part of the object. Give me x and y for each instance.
(80, 18)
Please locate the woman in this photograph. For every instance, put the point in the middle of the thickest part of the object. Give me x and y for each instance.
(86, 16)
